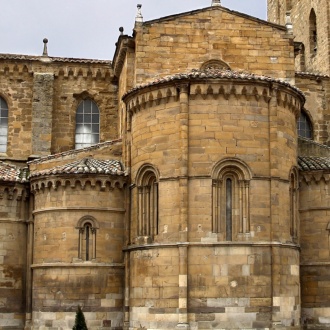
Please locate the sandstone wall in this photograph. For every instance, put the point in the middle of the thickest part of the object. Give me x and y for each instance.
(94, 283)
(315, 61)
(180, 43)
(317, 90)
(43, 97)
(314, 217)
(13, 203)
(186, 133)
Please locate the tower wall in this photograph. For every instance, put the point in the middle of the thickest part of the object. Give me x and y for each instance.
(315, 53)
(69, 267)
(188, 272)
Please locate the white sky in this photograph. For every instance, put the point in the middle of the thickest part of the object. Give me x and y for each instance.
(88, 28)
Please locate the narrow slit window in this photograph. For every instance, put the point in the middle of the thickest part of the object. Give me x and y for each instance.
(229, 209)
(313, 32)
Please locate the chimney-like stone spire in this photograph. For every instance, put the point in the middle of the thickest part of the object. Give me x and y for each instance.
(139, 17)
(216, 3)
(121, 30)
(288, 22)
(45, 52)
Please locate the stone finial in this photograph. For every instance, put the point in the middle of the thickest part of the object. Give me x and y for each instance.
(139, 17)
(288, 22)
(216, 3)
(45, 52)
(121, 30)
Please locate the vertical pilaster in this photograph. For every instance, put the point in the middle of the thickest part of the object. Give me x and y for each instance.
(183, 186)
(29, 261)
(42, 113)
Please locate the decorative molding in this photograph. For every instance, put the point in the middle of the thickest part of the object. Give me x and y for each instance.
(74, 181)
(74, 209)
(314, 176)
(248, 90)
(212, 244)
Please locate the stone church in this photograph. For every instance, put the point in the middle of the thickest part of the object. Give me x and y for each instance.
(182, 185)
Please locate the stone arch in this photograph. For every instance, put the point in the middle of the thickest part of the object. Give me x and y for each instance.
(87, 227)
(147, 180)
(230, 199)
(215, 64)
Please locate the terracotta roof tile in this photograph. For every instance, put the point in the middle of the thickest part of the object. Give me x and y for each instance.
(85, 166)
(314, 163)
(12, 173)
(74, 151)
(52, 59)
(312, 75)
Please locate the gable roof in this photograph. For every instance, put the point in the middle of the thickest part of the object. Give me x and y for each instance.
(308, 163)
(220, 8)
(85, 166)
(12, 173)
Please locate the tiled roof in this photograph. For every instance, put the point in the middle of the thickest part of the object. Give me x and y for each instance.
(12, 173)
(312, 75)
(74, 151)
(214, 73)
(85, 166)
(52, 59)
(314, 163)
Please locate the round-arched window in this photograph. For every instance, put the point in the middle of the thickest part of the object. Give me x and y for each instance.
(305, 128)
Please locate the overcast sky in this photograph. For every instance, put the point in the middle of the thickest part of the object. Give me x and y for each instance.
(88, 28)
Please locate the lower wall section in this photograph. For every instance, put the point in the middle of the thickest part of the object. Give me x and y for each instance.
(57, 292)
(315, 282)
(65, 320)
(215, 286)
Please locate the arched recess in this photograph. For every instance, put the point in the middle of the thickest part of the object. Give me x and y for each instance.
(215, 64)
(305, 125)
(288, 5)
(231, 198)
(87, 227)
(293, 192)
(313, 32)
(147, 183)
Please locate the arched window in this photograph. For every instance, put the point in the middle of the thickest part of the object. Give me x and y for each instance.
(87, 124)
(3, 125)
(313, 32)
(87, 227)
(304, 126)
(147, 202)
(230, 195)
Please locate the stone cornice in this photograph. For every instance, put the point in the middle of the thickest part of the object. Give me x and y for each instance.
(124, 43)
(315, 176)
(41, 184)
(85, 264)
(232, 12)
(216, 83)
(211, 244)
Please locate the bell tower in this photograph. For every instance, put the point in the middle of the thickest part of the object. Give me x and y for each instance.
(311, 28)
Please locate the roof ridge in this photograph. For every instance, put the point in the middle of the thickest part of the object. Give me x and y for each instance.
(74, 151)
(213, 73)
